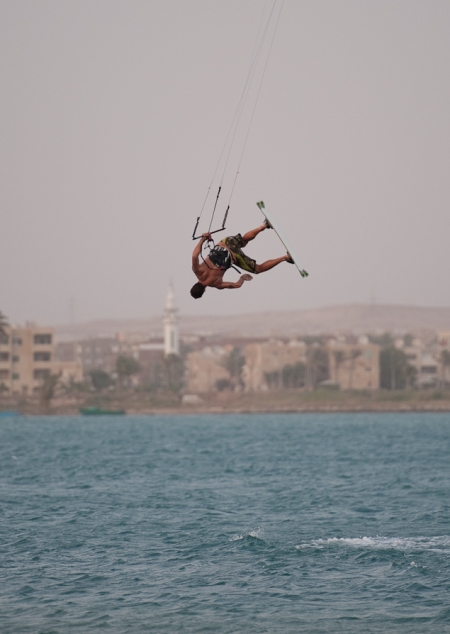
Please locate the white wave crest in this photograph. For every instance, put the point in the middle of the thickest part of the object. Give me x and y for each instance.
(440, 543)
(256, 534)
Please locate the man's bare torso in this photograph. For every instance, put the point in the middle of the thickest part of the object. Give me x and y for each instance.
(208, 273)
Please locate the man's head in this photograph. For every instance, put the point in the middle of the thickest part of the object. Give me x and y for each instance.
(197, 290)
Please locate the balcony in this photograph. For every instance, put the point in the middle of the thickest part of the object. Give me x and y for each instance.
(42, 356)
(42, 339)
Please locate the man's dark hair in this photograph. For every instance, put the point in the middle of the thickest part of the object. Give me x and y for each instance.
(197, 290)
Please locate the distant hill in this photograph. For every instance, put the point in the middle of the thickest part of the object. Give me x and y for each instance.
(355, 318)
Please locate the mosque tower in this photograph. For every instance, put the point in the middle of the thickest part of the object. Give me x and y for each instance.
(171, 331)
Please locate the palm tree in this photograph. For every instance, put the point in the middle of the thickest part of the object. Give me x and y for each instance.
(354, 354)
(48, 389)
(234, 362)
(339, 358)
(126, 367)
(3, 324)
(174, 373)
(317, 365)
(445, 362)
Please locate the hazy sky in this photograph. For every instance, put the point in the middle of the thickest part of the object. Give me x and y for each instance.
(113, 117)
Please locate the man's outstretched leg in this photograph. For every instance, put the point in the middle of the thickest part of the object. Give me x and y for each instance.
(251, 235)
(269, 264)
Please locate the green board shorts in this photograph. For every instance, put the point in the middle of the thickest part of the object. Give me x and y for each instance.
(235, 244)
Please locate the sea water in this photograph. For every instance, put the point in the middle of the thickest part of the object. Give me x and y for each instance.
(225, 523)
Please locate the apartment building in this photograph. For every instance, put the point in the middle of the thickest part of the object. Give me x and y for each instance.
(27, 356)
(354, 366)
(443, 338)
(205, 368)
(427, 359)
(266, 358)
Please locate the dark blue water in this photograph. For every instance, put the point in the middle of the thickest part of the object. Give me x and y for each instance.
(264, 523)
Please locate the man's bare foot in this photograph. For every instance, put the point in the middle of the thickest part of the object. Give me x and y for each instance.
(246, 277)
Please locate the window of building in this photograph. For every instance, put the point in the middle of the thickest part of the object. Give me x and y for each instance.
(15, 358)
(4, 339)
(4, 356)
(42, 339)
(42, 356)
(428, 369)
(15, 376)
(17, 341)
(40, 374)
(4, 374)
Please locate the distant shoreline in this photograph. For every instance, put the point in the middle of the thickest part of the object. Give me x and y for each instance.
(316, 410)
(197, 411)
(273, 402)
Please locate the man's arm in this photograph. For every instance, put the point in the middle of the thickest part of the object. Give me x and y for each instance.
(198, 250)
(244, 278)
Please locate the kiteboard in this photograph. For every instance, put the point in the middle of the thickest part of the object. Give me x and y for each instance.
(288, 248)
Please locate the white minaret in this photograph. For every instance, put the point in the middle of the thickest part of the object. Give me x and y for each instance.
(171, 333)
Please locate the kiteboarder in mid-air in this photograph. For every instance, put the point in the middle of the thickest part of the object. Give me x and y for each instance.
(228, 252)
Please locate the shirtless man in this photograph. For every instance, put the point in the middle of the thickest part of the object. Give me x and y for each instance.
(225, 254)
